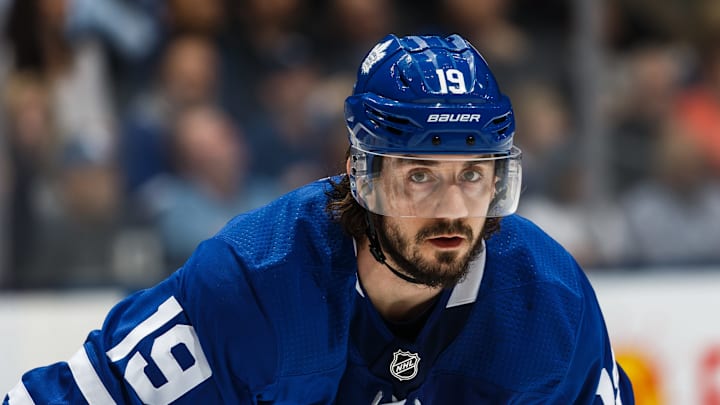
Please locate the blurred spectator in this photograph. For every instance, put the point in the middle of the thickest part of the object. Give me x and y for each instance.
(629, 24)
(281, 133)
(675, 217)
(187, 75)
(698, 107)
(126, 28)
(559, 212)
(279, 67)
(135, 33)
(325, 106)
(543, 131)
(210, 182)
(130, 33)
(77, 240)
(75, 72)
(516, 53)
(581, 229)
(61, 135)
(204, 18)
(553, 173)
(64, 202)
(490, 28)
(31, 140)
(266, 35)
(645, 84)
(273, 29)
(356, 26)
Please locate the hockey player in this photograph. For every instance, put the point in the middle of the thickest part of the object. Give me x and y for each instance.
(407, 280)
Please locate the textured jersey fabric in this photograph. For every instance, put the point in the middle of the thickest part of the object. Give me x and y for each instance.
(270, 310)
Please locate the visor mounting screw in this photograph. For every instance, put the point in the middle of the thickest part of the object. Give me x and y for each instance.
(470, 140)
(436, 140)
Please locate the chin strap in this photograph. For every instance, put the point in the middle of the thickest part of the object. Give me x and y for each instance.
(378, 254)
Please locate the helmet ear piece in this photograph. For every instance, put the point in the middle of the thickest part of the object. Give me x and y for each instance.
(357, 169)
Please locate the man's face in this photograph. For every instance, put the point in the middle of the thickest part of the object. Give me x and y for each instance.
(436, 252)
(433, 214)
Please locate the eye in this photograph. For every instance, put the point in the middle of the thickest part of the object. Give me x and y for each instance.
(419, 176)
(471, 175)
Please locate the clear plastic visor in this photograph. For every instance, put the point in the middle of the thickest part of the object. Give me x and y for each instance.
(437, 186)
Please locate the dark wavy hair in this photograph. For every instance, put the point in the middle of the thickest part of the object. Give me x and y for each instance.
(344, 209)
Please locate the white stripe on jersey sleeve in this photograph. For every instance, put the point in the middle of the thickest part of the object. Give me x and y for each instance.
(166, 311)
(87, 379)
(19, 395)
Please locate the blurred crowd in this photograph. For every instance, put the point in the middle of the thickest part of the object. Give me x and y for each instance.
(130, 130)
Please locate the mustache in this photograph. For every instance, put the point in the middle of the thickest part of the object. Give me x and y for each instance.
(444, 227)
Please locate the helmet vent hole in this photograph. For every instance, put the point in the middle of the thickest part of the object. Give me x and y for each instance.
(404, 81)
(499, 120)
(394, 131)
(436, 140)
(388, 122)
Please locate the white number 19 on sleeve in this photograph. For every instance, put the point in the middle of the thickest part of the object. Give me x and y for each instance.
(179, 381)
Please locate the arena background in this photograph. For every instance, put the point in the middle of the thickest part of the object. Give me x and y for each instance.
(130, 130)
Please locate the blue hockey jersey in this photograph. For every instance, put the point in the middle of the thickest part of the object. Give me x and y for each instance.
(270, 311)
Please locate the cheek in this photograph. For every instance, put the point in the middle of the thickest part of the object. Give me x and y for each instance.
(405, 228)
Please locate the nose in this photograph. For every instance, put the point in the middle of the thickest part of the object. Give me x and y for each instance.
(451, 203)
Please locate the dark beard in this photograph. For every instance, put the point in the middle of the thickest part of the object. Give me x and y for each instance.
(449, 270)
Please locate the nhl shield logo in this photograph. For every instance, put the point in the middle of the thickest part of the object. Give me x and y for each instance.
(404, 365)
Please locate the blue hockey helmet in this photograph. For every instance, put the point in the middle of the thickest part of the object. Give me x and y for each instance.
(427, 98)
